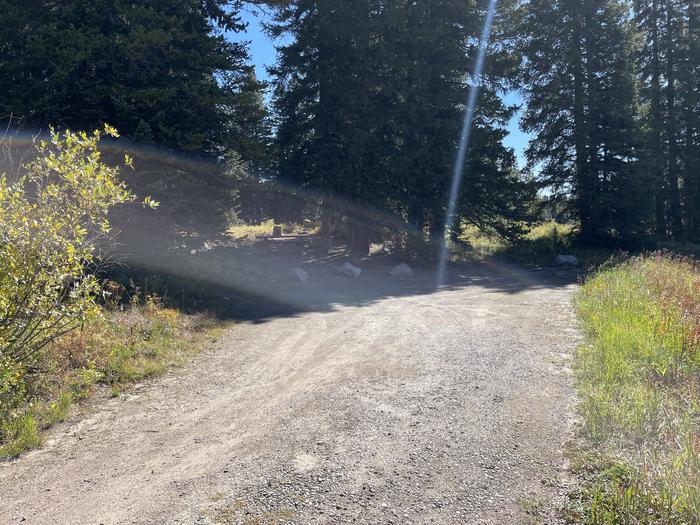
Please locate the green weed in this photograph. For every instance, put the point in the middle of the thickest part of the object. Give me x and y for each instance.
(22, 434)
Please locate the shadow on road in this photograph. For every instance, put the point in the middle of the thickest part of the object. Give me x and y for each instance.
(252, 281)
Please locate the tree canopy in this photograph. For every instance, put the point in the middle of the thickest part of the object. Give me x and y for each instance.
(612, 90)
(162, 72)
(370, 99)
(367, 98)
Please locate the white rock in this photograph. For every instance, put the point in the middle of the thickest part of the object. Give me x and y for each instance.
(349, 269)
(402, 271)
(300, 274)
(566, 260)
(193, 252)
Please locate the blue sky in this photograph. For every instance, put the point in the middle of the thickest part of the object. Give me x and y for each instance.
(262, 51)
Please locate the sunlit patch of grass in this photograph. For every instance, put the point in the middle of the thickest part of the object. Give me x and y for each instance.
(253, 231)
(479, 243)
(250, 231)
(538, 246)
(305, 227)
(117, 350)
(639, 382)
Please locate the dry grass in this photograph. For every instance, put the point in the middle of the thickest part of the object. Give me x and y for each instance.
(253, 231)
(250, 231)
(117, 350)
(538, 247)
(238, 512)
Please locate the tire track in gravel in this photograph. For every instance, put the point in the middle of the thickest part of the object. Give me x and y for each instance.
(448, 407)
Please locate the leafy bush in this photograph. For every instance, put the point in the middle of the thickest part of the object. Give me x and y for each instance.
(639, 379)
(53, 226)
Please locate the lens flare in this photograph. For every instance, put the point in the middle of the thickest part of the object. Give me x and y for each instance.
(180, 251)
(464, 141)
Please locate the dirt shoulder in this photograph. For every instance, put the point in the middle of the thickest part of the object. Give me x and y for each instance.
(446, 407)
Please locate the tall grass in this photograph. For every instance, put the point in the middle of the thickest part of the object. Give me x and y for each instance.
(240, 230)
(639, 380)
(251, 231)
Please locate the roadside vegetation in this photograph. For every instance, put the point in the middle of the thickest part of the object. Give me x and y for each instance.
(111, 352)
(538, 246)
(639, 382)
(62, 331)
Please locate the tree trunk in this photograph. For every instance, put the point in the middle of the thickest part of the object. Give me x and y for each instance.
(675, 211)
(416, 228)
(692, 113)
(656, 148)
(591, 129)
(326, 226)
(583, 186)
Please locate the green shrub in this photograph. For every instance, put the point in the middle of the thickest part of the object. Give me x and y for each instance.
(53, 225)
(51, 222)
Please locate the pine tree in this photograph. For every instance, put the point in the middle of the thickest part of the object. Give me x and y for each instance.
(670, 80)
(248, 122)
(690, 103)
(322, 94)
(554, 88)
(581, 93)
(614, 131)
(672, 135)
(648, 16)
(150, 68)
(369, 97)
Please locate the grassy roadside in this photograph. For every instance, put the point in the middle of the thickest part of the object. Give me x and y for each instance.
(114, 351)
(639, 382)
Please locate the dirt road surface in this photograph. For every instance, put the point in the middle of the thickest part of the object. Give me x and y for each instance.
(382, 402)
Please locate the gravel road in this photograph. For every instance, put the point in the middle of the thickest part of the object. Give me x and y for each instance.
(405, 406)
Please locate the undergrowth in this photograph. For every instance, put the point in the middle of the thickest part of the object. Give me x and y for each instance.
(538, 247)
(639, 383)
(114, 351)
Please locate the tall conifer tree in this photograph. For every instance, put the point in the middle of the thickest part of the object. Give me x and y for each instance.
(580, 86)
(159, 71)
(369, 96)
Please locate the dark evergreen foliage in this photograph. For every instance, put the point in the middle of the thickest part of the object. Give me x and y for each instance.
(368, 101)
(612, 93)
(160, 71)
